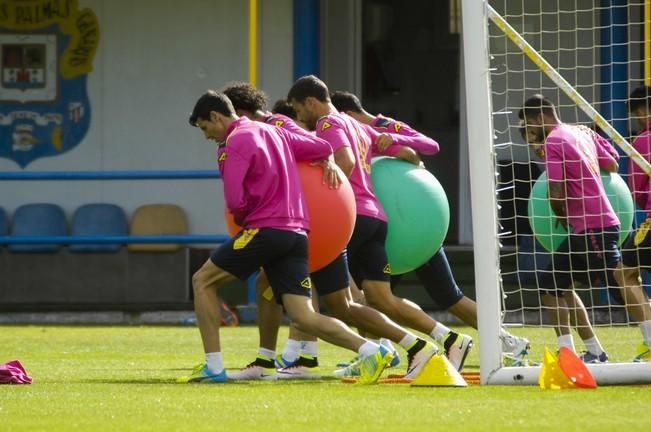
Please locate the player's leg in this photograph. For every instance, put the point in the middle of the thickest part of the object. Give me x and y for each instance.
(269, 319)
(239, 257)
(636, 255)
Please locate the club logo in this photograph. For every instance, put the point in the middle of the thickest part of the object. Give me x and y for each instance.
(46, 52)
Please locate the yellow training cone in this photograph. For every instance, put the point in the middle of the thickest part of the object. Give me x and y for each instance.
(551, 375)
(439, 372)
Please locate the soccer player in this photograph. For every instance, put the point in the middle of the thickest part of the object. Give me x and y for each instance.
(435, 275)
(353, 144)
(636, 252)
(331, 282)
(263, 192)
(573, 159)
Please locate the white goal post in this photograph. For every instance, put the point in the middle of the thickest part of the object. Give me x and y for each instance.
(483, 149)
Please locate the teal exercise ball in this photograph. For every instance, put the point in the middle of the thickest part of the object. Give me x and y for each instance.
(543, 220)
(417, 210)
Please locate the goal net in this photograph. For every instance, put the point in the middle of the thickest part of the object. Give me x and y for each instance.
(586, 56)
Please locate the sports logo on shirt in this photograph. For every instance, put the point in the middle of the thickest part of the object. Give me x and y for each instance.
(279, 123)
(396, 127)
(325, 126)
(387, 269)
(222, 157)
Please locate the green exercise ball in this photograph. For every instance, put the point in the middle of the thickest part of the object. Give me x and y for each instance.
(543, 220)
(417, 210)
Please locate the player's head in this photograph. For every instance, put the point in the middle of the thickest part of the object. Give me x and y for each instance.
(539, 115)
(530, 138)
(639, 106)
(213, 113)
(281, 106)
(310, 98)
(346, 102)
(246, 99)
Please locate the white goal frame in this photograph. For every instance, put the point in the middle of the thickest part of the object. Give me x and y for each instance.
(483, 184)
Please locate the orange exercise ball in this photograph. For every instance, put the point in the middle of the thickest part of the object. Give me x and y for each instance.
(332, 214)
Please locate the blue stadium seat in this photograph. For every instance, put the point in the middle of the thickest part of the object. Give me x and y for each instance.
(98, 220)
(38, 220)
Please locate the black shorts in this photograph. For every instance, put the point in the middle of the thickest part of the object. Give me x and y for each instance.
(367, 258)
(590, 256)
(282, 255)
(436, 276)
(636, 251)
(333, 277)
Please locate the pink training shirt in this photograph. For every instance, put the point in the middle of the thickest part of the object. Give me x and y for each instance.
(262, 188)
(419, 142)
(638, 180)
(573, 156)
(340, 131)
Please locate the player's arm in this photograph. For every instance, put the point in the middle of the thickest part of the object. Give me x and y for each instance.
(237, 168)
(606, 153)
(556, 182)
(345, 159)
(557, 202)
(412, 138)
(306, 147)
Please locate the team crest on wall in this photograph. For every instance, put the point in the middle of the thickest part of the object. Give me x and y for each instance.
(46, 52)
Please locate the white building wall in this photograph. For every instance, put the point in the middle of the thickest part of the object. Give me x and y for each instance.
(154, 60)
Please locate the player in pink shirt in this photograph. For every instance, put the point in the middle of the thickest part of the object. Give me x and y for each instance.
(636, 251)
(573, 158)
(435, 275)
(331, 282)
(263, 192)
(353, 144)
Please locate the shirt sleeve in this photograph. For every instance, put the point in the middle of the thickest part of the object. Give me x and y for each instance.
(606, 153)
(306, 147)
(638, 180)
(333, 134)
(236, 167)
(414, 139)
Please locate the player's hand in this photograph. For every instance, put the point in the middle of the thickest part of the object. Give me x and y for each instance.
(383, 141)
(331, 173)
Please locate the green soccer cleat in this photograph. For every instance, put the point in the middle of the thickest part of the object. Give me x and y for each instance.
(643, 353)
(201, 374)
(371, 367)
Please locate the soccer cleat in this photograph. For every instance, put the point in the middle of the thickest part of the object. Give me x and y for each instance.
(514, 350)
(589, 358)
(201, 374)
(260, 369)
(344, 364)
(643, 353)
(282, 362)
(457, 346)
(352, 370)
(305, 367)
(371, 367)
(418, 359)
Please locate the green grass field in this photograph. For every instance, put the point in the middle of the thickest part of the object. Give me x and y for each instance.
(122, 378)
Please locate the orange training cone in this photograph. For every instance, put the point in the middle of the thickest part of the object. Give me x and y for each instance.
(551, 376)
(575, 369)
(439, 372)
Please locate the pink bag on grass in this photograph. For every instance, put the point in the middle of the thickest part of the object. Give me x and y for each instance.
(13, 372)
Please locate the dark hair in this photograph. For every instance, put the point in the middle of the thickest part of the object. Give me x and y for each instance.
(536, 104)
(639, 98)
(308, 86)
(211, 101)
(346, 101)
(245, 97)
(281, 106)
